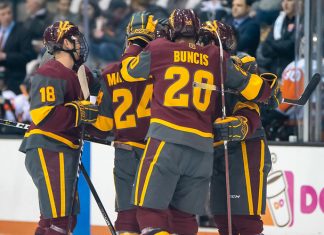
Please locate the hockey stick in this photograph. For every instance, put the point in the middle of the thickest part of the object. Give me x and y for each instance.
(315, 80)
(93, 191)
(85, 90)
(76, 181)
(96, 197)
(25, 126)
(227, 179)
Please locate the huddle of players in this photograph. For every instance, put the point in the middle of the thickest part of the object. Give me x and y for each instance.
(167, 131)
(164, 127)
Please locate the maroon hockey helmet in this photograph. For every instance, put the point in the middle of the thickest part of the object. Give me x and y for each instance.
(55, 34)
(163, 29)
(184, 23)
(208, 33)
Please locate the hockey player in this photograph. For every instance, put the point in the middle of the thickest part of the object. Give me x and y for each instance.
(51, 144)
(173, 171)
(125, 108)
(256, 88)
(249, 155)
(178, 155)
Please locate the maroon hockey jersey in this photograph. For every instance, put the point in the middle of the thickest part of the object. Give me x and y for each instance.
(124, 106)
(53, 124)
(181, 113)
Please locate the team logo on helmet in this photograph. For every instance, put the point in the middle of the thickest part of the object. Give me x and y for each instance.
(184, 23)
(64, 26)
(188, 22)
(215, 31)
(211, 27)
(55, 34)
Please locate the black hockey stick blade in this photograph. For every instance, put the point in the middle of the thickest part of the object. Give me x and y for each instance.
(18, 125)
(25, 126)
(307, 93)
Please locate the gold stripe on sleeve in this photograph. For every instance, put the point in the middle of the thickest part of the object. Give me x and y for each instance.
(252, 90)
(247, 59)
(76, 112)
(38, 115)
(124, 71)
(250, 105)
(103, 123)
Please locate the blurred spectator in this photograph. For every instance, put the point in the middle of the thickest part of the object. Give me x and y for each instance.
(106, 44)
(38, 19)
(15, 49)
(93, 12)
(278, 50)
(109, 31)
(63, 11)
(7, 111)
(212, 10)
(93, 17)
(116, 12)
(101, 38)
(136, 6)
(284, 121)
(13, 108)
(247, 28)
(146, 5)
(173, 4)
(266, 11)
(22, 106)
(140, 5)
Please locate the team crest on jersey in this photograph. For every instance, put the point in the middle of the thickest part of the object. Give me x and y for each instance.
(192, 45)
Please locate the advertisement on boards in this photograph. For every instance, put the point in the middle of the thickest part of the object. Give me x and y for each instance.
(295, 191)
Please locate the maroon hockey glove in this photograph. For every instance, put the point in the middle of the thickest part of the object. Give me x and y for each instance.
(276, 96)
(232, 128)
(246, 62)
(85, 111)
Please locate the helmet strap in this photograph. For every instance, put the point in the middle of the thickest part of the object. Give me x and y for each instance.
(71, 52)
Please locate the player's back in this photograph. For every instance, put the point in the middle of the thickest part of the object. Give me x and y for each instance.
(182, 113)
(130, 104)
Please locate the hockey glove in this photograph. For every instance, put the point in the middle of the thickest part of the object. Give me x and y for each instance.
(232, 128)
(85, 111)
(141, 28)
(246, 62)
(276, 96)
